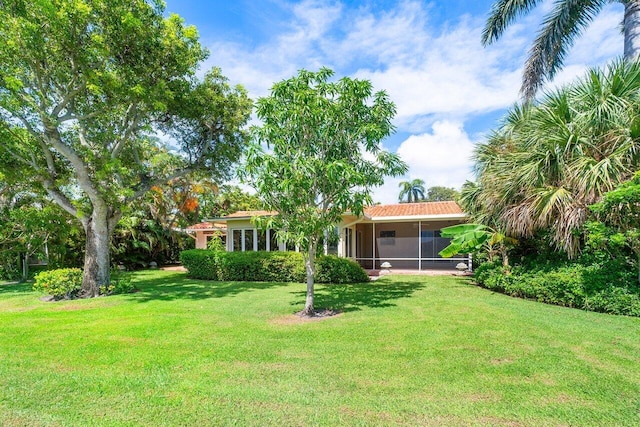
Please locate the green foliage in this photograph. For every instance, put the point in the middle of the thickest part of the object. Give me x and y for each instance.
(441, 194)
(414, 190)
(605, 286)
(120, 283)
(470, 238)
(323, 156)
(85, 86)
(333, 269)
(549, 159)
(268, 267)
(60, 283)
(560, 27)
(216, 244)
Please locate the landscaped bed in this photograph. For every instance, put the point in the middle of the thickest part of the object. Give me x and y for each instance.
(404, 351)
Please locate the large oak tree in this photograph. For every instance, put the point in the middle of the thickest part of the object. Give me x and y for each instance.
(84, 87)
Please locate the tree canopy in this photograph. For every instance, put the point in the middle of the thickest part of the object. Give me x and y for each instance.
(549, 161)
(317, 155)
(85, 87)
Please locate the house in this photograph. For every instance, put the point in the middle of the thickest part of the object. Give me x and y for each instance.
(406, 234)
(205, 231)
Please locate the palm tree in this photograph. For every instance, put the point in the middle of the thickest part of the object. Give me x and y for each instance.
(414, 190)
(566, 21)
(549, 161)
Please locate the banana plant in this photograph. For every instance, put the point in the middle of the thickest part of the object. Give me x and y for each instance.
(466, 238)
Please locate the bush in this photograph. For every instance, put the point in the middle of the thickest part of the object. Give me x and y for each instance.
(60, 283)
(604, 287)
(120, 283)
(332, 269)
(267, 267)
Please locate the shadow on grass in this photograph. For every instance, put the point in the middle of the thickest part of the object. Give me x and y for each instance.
(15, 287)
(355, 296)
(179, 286)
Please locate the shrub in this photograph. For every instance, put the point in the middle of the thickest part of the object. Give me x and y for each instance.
(268, 267)
(120, 283)
(603, 287)
(60, 283)
(332, 269)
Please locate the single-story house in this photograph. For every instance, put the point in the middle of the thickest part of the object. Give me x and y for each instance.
(407, 235)
(205, 231)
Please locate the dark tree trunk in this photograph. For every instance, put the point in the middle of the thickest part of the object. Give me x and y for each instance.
(311, 269)
(97, 260)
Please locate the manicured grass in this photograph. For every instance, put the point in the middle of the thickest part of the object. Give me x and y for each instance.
(406, 351)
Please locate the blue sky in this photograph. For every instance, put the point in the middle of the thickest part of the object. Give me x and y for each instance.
(448, 89)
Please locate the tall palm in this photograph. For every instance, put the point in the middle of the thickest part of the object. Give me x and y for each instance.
(566, 21)
(549, 161)
(414, 190)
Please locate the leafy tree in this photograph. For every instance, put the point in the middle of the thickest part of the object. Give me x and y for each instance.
(441, 194)
(225, 200)
(414, 190)
(549, 161)
(317, 133)
(85, 85)
(566, 21)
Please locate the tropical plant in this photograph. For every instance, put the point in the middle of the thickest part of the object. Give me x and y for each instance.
(413, 190)
(549, 161)
(469, 238)
(566, 21)
(619, 213)
(320, 133)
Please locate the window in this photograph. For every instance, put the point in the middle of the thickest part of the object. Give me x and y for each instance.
(388, 237)
(237, 240)
(262, 240)
(273, 240)
(248, 240)
(348, 236)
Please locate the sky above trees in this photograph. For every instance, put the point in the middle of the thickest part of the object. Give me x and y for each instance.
(449, 91)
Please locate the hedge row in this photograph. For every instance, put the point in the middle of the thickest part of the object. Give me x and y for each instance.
(588, 287)
(268, 267)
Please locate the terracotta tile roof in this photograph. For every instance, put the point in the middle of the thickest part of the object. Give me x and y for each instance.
(207, 226)
(249, 214)
(414, 209)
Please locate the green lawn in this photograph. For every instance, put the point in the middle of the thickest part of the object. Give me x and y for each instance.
(406, 351)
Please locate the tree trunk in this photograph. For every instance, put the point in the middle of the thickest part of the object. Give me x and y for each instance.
(631, 29)
(311, 270)
(97, 262)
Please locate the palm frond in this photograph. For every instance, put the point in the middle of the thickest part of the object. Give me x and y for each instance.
(503, 13)
(561, 26)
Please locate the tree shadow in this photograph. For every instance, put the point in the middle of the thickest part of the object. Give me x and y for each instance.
(178, 286)
(15, 287)
(353, 297)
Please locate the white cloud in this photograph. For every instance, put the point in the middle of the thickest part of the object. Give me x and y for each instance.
(437, 73)
(440, 157)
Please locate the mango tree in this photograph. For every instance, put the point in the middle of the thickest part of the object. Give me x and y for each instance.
(317, 155)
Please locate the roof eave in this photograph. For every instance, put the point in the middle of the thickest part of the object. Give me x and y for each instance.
(407, 218)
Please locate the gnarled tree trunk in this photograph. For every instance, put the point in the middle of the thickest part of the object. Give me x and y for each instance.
(97, 260)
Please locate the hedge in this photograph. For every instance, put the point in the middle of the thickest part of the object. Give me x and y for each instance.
(268, 267)
(589, 287)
